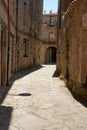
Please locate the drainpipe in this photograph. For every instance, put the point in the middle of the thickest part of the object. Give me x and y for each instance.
(59, 14)
(8, 51)
(16, 33)
(58, 23)
(58, 19)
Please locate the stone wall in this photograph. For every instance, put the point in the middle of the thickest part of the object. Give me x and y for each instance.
(5, 65)
(23, 46)
(36, 11)
(72, 46)
(47, 28)
(29, 18)
(12, 50)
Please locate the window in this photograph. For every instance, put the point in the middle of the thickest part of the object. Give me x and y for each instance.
(25, 49)
(51, 37)
(51, 21)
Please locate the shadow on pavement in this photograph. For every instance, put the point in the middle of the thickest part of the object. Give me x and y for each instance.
(5, 117)
(24, 72)
(21, 94)
(56, 74)
(24, 94)
(4, 90)
(50, 63)
(78, 98)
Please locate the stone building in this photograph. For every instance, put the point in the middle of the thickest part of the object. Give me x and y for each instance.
(72, 47)
(7, 41)
(64, 5)
(20, 25)
(29, 18)
(49, 38)
(23, 28)
(36, 11)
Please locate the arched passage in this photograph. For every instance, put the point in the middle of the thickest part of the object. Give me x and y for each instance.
(51, 55)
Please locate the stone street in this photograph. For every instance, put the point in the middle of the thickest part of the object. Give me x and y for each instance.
(39, 100)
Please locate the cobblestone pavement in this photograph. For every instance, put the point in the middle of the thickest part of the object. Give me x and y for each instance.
(38, 100)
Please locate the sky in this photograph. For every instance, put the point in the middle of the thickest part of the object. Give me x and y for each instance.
(50, 5)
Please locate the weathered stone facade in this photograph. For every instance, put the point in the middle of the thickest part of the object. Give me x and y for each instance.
(49, 38)
(19, 36)
(72, 46)
(23, 58)
(36, 11)
(29, 18)
(7, 66)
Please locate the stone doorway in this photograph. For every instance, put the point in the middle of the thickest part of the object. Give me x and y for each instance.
(51, 55)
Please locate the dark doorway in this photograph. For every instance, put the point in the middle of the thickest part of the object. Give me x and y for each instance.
(51, 55)
(3, 57)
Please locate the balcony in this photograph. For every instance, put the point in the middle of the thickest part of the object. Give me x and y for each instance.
(49, 41)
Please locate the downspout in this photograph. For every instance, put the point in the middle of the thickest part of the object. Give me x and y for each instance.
(58, 19)
(8, 51)
(16, 34)
(58, 24)
(59, 14)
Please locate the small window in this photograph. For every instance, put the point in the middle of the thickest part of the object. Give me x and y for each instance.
(51, 37)
(25, 49)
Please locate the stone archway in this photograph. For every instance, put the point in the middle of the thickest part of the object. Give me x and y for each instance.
(51, 55)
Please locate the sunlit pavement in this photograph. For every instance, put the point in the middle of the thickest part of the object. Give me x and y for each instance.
(38, 100)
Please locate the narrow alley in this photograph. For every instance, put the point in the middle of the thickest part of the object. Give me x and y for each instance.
(39, 100)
